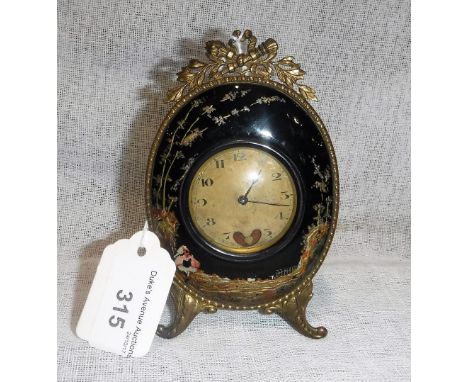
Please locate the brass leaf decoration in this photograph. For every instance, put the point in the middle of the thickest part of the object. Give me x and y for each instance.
(227, 59)
(288, 71)
(307, 92)
(175, 93)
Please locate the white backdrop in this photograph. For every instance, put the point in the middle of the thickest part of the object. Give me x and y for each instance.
(116, 60)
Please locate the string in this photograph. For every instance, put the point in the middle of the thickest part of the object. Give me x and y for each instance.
(143, 234)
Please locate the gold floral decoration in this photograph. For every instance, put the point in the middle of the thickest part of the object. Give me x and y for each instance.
(229, 59)
(166, 225)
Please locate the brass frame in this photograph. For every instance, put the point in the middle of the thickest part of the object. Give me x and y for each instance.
(192, 298)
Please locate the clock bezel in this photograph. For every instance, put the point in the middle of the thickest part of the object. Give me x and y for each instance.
(253, 256)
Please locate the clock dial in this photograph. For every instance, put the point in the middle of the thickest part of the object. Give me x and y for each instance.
(242, 200)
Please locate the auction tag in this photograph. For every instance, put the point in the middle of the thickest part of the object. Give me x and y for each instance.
(127, 297)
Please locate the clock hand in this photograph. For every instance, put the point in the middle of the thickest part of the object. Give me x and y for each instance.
(243, 198)
(253, 182)
(270, 204)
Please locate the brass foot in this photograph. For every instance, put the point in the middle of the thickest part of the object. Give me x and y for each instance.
(293, 311)
(186, 308)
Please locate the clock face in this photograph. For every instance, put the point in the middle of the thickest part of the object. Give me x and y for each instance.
(242, 200)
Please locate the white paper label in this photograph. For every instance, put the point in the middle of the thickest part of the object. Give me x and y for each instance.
(127, 297)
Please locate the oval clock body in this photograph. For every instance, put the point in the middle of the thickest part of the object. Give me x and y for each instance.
(242, 189)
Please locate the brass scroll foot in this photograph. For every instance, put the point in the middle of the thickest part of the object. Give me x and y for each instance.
(186, 308)
(293, 310)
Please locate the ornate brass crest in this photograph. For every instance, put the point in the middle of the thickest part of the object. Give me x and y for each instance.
(229, 59)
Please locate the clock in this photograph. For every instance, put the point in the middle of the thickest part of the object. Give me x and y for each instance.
(242, 201)
(242, 186)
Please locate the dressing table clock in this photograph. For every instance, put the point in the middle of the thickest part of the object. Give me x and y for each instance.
(242, 185)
